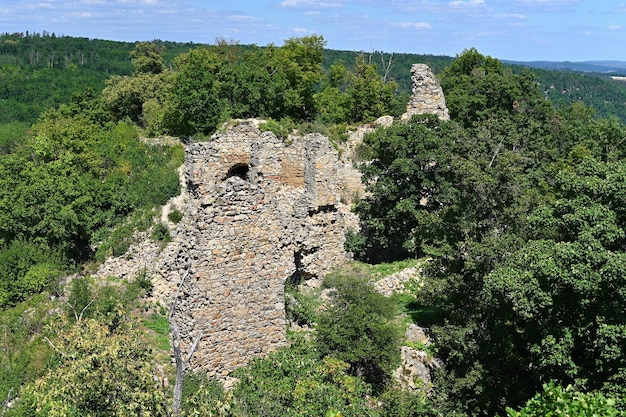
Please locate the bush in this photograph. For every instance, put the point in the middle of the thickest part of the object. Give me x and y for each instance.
(558, 401)
(161, 233)
(280, 128)
(295, 382)
(355, 244)
(112, 368)
(25, 269)
(175, 216)
(300, 308)
(203, 396)
(400, 403)
(358, 327)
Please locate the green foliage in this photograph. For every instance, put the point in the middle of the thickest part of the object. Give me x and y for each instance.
(175, 216)
(526, 232)
(300, 306)
(416, 167)
(281, 128)
(147, 58)
(368, 96)
(358, 327)
(27, 268)
(294, 382)
(196, 106)
(430, 348)
(478, 87)
(24, 357)
(401, 403)
(299, 60)
(80, 302)
(361, 95)
(126, 98)
(355, 244)
(161, 233)
(555, 400)
(11, 136)
(116, 242)
(112, 369)
(555, 300)
(247, 88)
(204, 397)
(161, 326)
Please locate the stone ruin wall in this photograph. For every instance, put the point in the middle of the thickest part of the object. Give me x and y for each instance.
(259, 212)
(426, 95)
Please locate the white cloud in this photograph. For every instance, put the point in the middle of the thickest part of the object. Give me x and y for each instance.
(308, 4)
(81, 15)
(517, 16)
(142, 2)
(469, 3)
(300, 30)
(241, 18)
(549, 3)
(413, 25)
(616, 27)
(41, 6)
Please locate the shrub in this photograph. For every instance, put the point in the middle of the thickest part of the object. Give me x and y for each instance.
(358, 327)
(175, 216)
(161, 233)
(300, 308)
(558, 401)
(355, 244)
(280, 128)
(295, 382)
(25, 269)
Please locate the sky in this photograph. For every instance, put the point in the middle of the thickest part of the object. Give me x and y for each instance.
(519, 30)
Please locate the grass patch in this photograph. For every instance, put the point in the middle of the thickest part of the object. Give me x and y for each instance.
(384, 269)
(161, 327)
(374, 272)
(422, 314)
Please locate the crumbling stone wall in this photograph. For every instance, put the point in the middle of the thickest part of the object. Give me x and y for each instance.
(259, 212)
(427, 95)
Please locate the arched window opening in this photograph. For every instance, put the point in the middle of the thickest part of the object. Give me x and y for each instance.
(239, 170)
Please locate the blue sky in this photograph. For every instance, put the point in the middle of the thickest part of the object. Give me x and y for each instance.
(522, 30)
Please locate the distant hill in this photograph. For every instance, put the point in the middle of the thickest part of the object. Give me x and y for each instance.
(38, 71)
(603, 67)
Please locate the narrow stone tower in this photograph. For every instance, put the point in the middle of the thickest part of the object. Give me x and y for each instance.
(426, 95)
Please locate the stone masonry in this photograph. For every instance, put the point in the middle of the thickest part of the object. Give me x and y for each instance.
(259, 212)
(427, 95)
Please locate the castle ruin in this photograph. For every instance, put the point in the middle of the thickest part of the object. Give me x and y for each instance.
(259, 211)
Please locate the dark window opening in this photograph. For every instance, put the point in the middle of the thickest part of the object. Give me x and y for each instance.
(323, 209)
(239, 170)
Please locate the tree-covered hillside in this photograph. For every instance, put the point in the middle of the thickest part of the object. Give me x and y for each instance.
(38, 71)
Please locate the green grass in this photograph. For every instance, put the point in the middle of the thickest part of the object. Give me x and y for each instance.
(375, 272)
(159, 324)
(424, 315)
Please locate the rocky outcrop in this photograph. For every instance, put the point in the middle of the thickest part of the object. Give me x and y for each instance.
(259, 212)
(414, 372)
(397, 282)
(426, 96)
